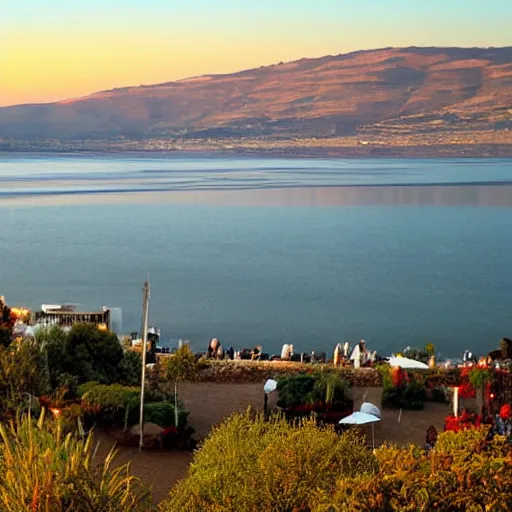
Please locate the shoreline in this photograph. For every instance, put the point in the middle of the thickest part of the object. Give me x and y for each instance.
(269, 150)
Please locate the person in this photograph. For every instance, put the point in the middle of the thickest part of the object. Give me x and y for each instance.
(363, 351)
(356, 356)
(430, 438)
(336, 355)
(286, 352)
(256, 353)
(214, 351)
(230, 353)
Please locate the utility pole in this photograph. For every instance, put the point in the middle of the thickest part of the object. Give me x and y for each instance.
(145, 315)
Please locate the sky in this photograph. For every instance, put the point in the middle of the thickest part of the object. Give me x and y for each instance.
(57, 49)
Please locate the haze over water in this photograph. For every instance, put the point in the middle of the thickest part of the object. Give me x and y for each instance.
(266, 251)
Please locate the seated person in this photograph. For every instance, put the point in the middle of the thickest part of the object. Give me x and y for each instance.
(287, 352)
(430, 438)
(256, 353)
(214, 351)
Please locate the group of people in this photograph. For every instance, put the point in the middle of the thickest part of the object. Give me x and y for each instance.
(216, 351)
(343, 354)
(359, 356)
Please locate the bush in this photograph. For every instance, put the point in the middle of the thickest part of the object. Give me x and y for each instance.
(120, 405)
(248, 464)
(462, 473)
(401, 389)
(45, 471)
(162, 413)
(322, 388)
(23, 372)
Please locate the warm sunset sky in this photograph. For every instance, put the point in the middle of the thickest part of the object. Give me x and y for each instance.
(56, 49)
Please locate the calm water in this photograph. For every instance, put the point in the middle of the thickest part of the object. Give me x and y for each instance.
(267, 250)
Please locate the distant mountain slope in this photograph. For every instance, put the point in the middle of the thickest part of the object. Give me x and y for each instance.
(389, 90)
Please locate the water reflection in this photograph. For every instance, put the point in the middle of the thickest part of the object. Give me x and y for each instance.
(470, 195)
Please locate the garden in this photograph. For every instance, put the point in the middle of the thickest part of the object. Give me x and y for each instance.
(57, 390)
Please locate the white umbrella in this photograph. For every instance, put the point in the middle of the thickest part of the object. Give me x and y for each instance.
(369, 408)
(407, 363)
(361, 418)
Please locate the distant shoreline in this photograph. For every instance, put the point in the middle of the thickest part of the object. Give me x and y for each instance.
(480, 151)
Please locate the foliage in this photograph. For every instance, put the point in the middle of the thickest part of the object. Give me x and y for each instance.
(44, 471)
(296, 390)
(120, 405)
(5, 336)
(23, 372)
(462, 473)
(479, 377)
(321, 388)
(162, 413)
(130, 368)
(437, 394)
(244, 371)
(430, 349)
(401, 389)
(419, 354)
(330, 388)
(109, 399)
(85, 353)
(182, 365)
(249, 464)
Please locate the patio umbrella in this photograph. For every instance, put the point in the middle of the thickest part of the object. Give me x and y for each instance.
(407, 364)
(361, 418)
(369, 408)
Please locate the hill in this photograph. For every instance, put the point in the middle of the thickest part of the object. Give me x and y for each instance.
(390, 95)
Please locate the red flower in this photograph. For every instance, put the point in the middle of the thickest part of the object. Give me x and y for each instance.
(505, 412)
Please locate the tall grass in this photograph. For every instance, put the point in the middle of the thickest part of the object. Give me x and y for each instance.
(43, 470)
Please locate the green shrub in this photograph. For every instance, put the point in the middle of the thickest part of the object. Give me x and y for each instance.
(248, 464)
(162, 413)
(120, 405)
(85, 387)
(44, 471)
(322, 387)
(23, 372)
(409, 394)
(295, 390)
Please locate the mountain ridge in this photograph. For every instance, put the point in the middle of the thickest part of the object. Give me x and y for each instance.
(386, 94)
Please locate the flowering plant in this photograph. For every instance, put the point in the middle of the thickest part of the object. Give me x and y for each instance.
(505, 412)
(466, 390)
(463, 422)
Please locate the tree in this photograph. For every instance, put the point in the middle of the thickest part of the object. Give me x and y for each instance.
(182, 365)
(83, 354)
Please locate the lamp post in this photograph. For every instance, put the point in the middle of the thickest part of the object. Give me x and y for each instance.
(145, 314)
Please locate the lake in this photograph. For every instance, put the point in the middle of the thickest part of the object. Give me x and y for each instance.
(267, 250)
